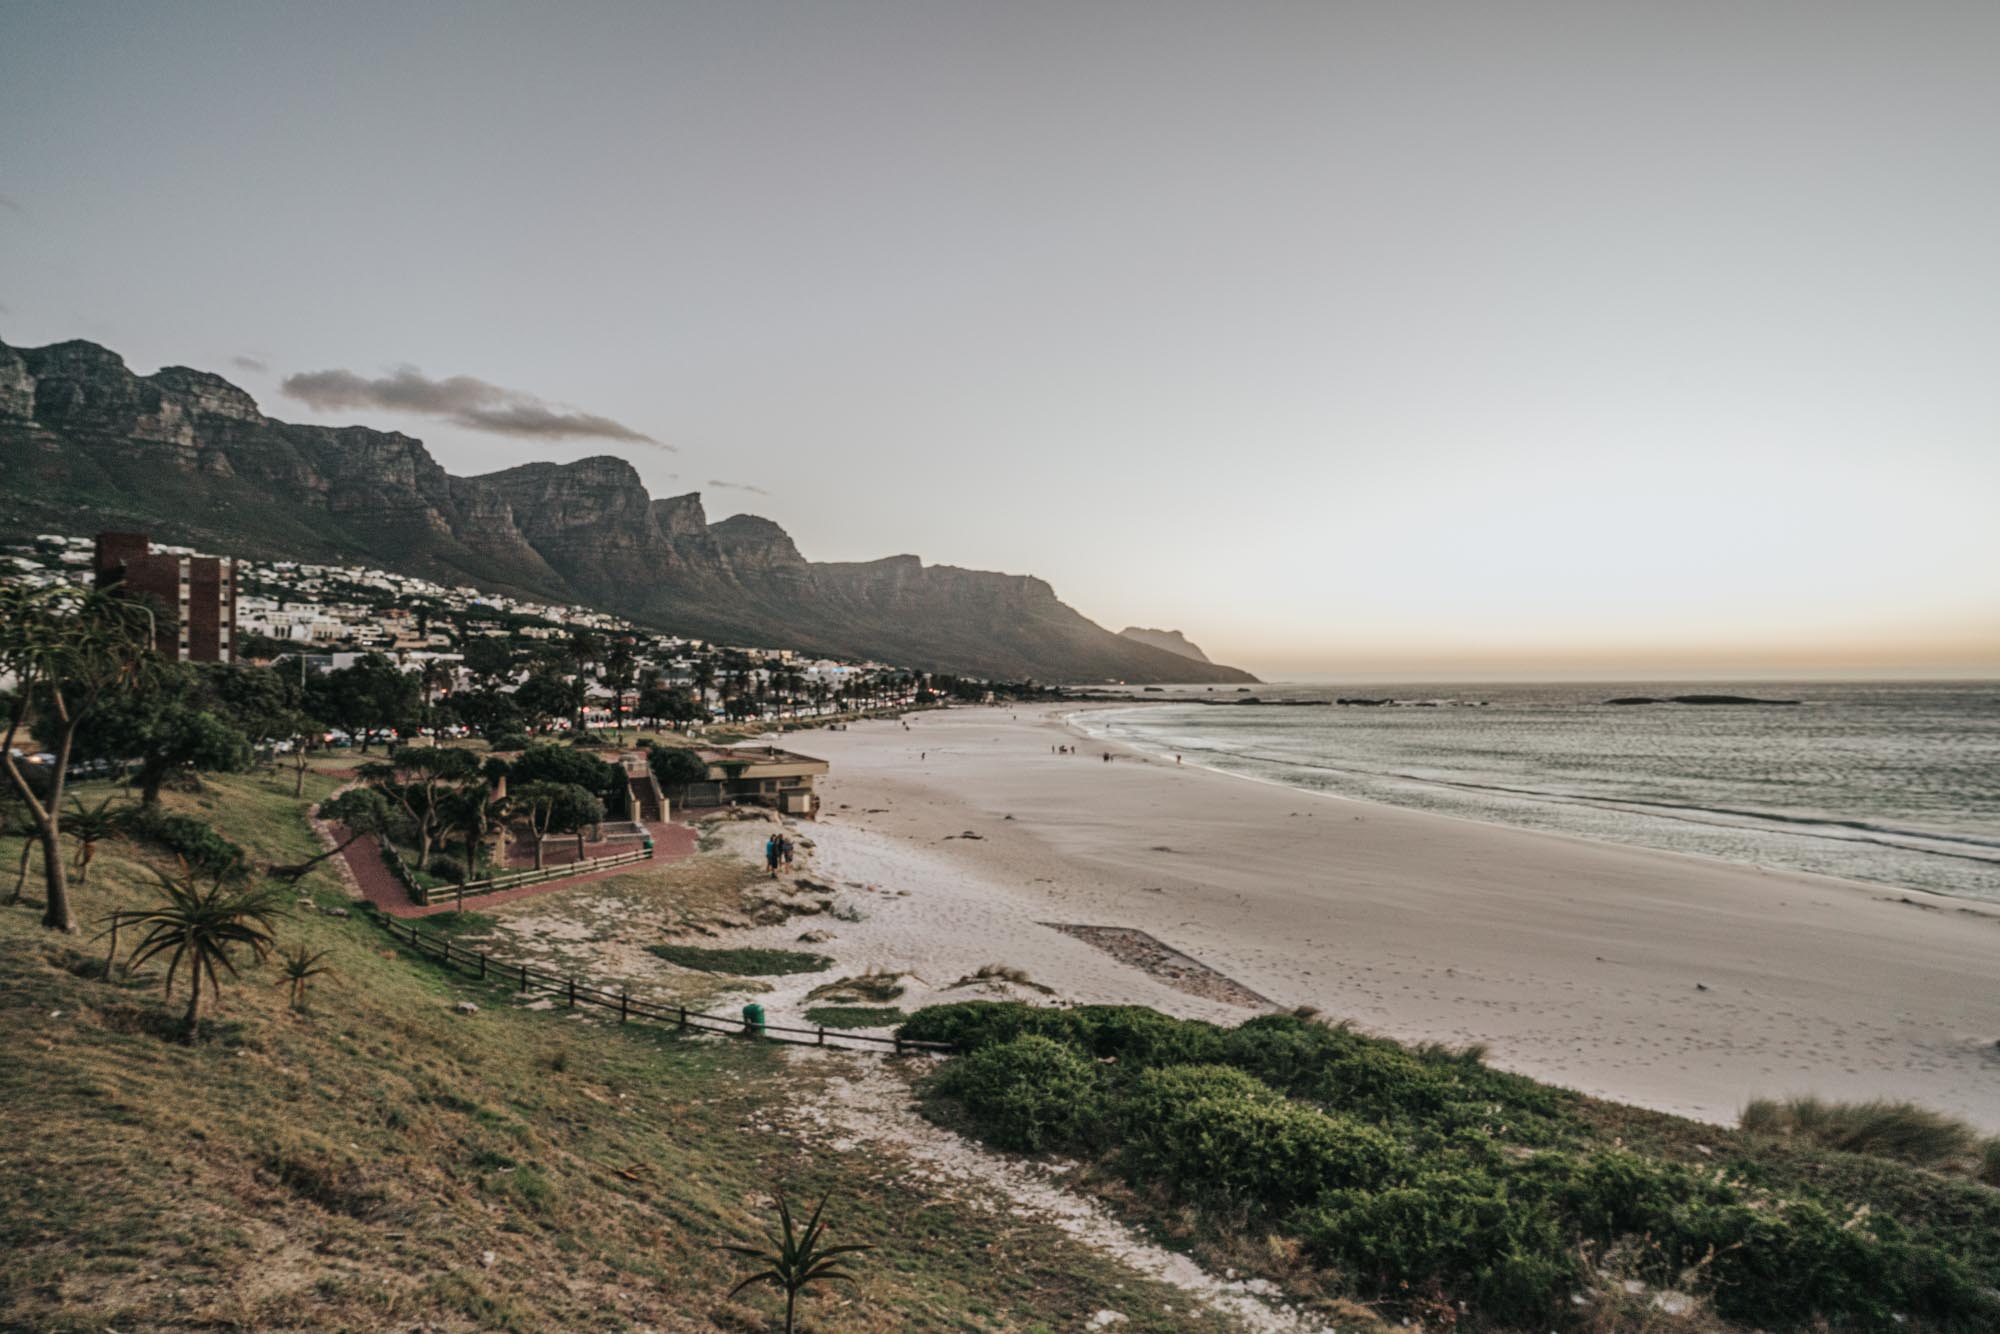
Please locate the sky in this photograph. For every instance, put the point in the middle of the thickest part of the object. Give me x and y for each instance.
(1375, 339)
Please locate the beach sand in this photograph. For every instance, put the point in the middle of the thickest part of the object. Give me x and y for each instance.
(1674, 982)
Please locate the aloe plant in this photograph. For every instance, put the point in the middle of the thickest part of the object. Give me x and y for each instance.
(299, 966)
(796, 1258)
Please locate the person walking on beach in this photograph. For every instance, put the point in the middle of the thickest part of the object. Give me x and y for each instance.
(771, 854)
(785, 851)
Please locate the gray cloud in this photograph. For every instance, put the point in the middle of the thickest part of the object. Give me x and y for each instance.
(11, 204)
(459, 399)
(248, 364)
(739, 486)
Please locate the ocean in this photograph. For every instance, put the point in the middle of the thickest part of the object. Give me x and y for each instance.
(1896, 783)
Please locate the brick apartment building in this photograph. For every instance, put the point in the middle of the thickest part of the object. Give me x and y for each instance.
(198, 593)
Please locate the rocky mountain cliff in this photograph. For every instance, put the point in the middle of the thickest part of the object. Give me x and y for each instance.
(85, 445)
(1173, 641)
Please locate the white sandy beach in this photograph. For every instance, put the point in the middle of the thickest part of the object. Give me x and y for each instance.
(1669, 981)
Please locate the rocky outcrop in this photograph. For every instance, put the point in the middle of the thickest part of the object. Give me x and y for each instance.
(85, 444)
(1173, 641)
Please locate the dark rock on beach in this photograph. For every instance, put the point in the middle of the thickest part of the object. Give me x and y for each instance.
(1698, 699)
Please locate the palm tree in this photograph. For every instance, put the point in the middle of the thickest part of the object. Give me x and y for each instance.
(436, 678)
(200, 924)
(620, 671)
(796, 1259)
(89, 826)
(704, 681)
(299, 967)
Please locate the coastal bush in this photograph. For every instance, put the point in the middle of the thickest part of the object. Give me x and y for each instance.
(510, 741)
(1151, 1096)
(1448, 1232)
(855, 1016)
(1383, 1081)
(1422, 1177)
(448, 869)
(1883, 1129)
(194, 842)
(1275, 1155)
(970, 1025)
(1030, 1093)
(744, 962)
(1795, 1262)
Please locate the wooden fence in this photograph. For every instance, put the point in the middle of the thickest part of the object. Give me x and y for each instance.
(526, 978)
(426, 895)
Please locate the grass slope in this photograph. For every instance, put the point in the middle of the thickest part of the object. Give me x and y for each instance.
(384, 1162)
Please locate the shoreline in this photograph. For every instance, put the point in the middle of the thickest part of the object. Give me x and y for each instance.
(1932, 897)
(1677, 982)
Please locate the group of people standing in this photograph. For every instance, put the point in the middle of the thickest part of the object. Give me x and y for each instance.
(778, 852)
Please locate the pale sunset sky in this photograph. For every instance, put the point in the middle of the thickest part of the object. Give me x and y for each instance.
(1446, 339)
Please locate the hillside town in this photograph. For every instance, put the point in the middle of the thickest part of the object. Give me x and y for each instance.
(462, 642)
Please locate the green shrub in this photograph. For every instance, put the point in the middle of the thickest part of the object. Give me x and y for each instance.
(1455, 1232)
(1900, 1130)
(970, 1025)
(743, 962)
(1030, 1093)
(1790, 1264)
(854, 1016)
(1382, 1081)
(1152, 1096)
(194, 842)
(1989, 1162)
(1129, 1034)
(448, 869)
(1274, 1154)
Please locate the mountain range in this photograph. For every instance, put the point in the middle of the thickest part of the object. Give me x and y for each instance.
(87, 445)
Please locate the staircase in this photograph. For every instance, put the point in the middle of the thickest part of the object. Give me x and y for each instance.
(642, 791)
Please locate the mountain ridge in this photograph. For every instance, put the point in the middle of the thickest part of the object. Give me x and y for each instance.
(88, 444)
(1173, 641)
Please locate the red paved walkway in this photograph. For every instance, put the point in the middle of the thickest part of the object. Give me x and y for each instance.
(672, 841)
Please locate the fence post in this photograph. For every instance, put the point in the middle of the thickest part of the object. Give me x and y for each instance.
(447, 951)
(413, 935)
(624, 1002)
(524, 977)
(684, 1016)
(572, 993)
(822, 1035)
(899, 1044)
(482, 965)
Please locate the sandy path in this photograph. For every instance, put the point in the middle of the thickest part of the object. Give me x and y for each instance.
(869, 1104)
(1670, 981)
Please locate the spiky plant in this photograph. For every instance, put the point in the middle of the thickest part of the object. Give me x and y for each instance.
(112, 922)
(796, 1259)
(89, 826)
(200, 922)
(298, 967)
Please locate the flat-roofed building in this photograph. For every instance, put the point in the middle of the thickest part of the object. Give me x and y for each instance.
(758, 776)
(196, 595)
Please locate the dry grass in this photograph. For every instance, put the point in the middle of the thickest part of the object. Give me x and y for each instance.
(876, 986)
(992, 976)
(350, 1167)
(1901, 1131)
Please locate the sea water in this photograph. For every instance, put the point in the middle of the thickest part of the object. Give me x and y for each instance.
(1897, 783)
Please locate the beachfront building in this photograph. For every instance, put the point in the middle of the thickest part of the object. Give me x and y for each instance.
(758, 776)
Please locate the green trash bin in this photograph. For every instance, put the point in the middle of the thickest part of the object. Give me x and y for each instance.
(753, 1019)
